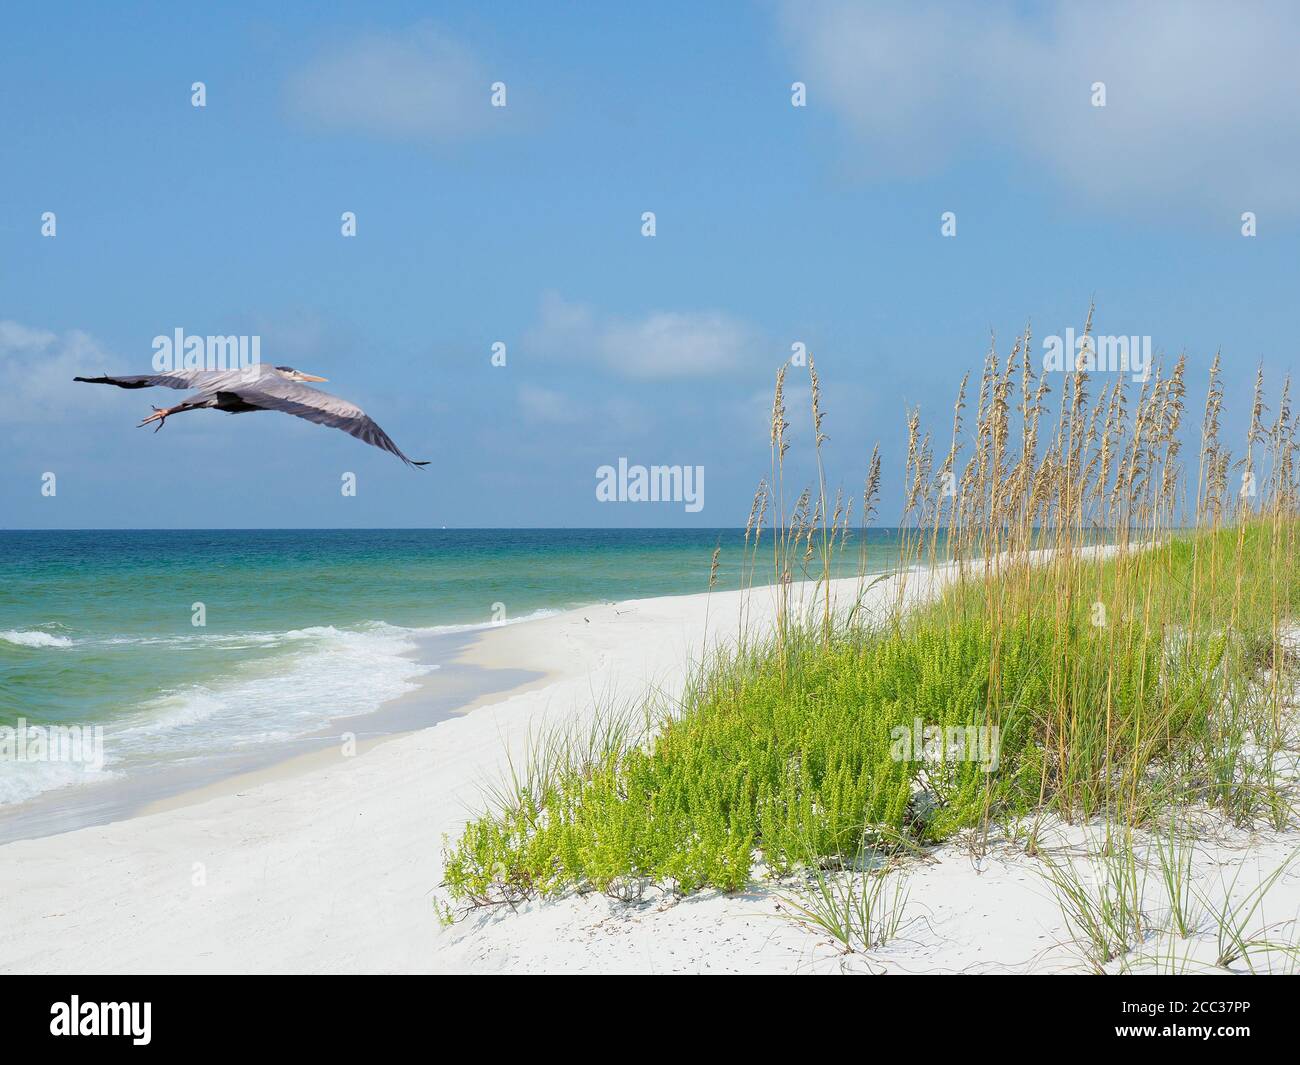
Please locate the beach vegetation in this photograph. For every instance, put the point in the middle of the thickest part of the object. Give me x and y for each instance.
(1119, 618)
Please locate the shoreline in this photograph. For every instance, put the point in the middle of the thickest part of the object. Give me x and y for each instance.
(329, 864)
(392, 720)
(448, 687)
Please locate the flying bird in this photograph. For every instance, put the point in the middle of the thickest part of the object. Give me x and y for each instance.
(259, 387)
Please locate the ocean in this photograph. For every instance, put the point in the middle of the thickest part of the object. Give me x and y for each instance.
(185, 645)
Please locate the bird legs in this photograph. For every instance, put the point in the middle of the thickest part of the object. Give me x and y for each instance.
(161, 414)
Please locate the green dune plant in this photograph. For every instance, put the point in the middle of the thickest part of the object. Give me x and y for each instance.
(1065, 581)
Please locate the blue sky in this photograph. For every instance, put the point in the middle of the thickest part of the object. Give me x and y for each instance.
(522, 224)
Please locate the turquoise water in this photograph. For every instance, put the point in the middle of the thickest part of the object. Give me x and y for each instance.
(299, 626)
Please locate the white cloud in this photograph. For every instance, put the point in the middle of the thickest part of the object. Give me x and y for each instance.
(1200, 97)
(36, 372)
(658, 345)
(419, 84)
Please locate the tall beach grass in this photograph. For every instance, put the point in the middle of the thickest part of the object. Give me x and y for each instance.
(1114, 614)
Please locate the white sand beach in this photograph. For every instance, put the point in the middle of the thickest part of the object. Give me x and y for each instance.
(330, 864)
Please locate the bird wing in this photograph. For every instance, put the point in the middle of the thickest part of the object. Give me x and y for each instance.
(303, 401)
(207, 381)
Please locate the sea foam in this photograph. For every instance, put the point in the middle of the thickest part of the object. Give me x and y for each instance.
(34, 638)
(315, 675)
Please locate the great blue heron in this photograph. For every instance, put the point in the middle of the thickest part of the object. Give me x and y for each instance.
(259, 387)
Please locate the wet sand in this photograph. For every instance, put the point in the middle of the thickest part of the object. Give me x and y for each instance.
(457, 685)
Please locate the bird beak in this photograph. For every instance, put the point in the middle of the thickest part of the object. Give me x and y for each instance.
(312, 377)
